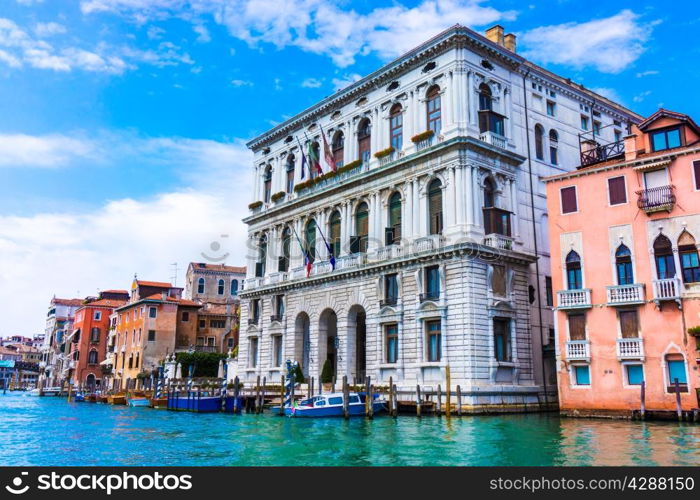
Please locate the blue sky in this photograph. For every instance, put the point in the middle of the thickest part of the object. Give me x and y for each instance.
(122, 122)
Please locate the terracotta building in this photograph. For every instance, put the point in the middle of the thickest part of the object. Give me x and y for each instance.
(155, 322)
(88, 340)
(624, 230)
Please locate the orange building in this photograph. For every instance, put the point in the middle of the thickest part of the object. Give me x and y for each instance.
(88, 340)
(155, 322)
(624, 228)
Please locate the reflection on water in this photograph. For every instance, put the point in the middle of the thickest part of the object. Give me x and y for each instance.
(50, 431)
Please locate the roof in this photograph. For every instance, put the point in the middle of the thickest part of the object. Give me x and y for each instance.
(666, 113)
(159, 298)
(218, 267)
(67, 302)
(105, 303)
(115, 291)
(391, 70)
(156, 284)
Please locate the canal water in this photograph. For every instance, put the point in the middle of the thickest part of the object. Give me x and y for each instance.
(50, 431)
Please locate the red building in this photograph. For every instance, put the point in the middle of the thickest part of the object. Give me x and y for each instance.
(88, 340)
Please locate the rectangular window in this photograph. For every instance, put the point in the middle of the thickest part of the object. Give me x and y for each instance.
(277, 350)
(95, 335)
(617, 192)
(690, 265)
(676, 371)
(577, 326)
(434, 340)
(391, 335)
(432, 282)
(202, 323)
(217, 323)
(665, 139)
(596, 128)
(229, 342)
(502, 339)
(151, 335)
(279, 305)
(253, 352)
(629, 324)
(255, 310)
(582, 375)
(391, 289)
(498, 281)
(151, 312)
(696, 172)
(618, 135)
(98, 315)
(200, 341)
(635, 374)
(568, 200)
(551, 108)
(584, 122)
(211, 341)
(185, 316)
(548, 290)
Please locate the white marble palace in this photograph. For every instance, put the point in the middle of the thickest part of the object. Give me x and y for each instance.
(435, 216)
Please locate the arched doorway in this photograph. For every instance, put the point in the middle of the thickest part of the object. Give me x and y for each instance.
(357, 343)
(328, 340)
(302, 342)
(90, 382)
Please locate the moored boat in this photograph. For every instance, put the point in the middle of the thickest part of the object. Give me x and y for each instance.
(159, 403)
(79, 397)
(116, 399)
(331, 405)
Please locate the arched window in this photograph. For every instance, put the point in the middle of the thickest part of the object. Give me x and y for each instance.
(262, 257)
(553, 147)
(92, 357)
(485, 98)
(310, 240)
(290, 173)
(435, 206)
(539, 142)
(623, 265)
(267, 180)
(434, 109)
(283, 262)
(396, 127)
(688, 254)
(234, 287)
(393, 232)
(338, 147)
(334, 232)
(95, 334)
(361, 227)
(489, 194)
(663, 255)
(200, 285)
(221, 287)
(364, 140)
(573, 271)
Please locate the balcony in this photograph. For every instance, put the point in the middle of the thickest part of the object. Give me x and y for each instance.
(624, 295)
(424, 144)
(667, 289)
(578, 350)
(276, 317)
(389, 252)
(253, 321)
(274, 278)
(389, 301)
(494, 139)
(498, 241)
(351, 261)
(598, 153)
(658, 199)
(574, 299)
(321, 267)
(630, 349)
(427, 243)
(329, 181)
(253, 283)
(429, 297)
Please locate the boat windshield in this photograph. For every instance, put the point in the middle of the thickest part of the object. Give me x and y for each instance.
(335, 401)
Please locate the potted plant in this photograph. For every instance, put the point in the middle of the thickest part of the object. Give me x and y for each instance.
(423, 136)
(694, 331)
(384, 152)
(327, 375)
(277, 196)
(255, 205)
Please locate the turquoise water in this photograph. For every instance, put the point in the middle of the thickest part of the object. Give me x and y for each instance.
(51, 431)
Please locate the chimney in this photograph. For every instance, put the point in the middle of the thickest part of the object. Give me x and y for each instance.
(630, 147)
(495, 34)
(164, 296)
(509, 42)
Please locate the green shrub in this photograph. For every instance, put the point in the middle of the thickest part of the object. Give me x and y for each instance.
(327, 372)
(206, 364)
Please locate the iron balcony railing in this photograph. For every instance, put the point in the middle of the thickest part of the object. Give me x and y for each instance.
(630, 348)
(656, 199)
(625, 294)
(574, 299)
(602, 152)
(578, 350)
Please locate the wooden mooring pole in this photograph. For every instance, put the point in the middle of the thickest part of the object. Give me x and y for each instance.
(282, 395)
(642, 400)
(311, 388)
(236, 392)
(438, 408)
(677, 389)
(391, 395)
(371, 401)
(257, 394)
(346, 398)
(459, 401)
(448, 393)
(368, 403)
(262, 395)
(418, 400)
(395, 407)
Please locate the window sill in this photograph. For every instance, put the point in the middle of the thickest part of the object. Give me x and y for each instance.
(506, 364)
(431, 364)
(387, 366)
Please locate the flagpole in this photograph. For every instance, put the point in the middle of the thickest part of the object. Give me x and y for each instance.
(331, 257)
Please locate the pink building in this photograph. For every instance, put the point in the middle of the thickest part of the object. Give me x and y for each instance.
(625, 231)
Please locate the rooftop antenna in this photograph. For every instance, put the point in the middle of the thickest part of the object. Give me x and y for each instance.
(173, 277)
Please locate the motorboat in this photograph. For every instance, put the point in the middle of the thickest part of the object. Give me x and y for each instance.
(331, 405)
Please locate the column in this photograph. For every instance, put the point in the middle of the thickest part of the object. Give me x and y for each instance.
(348, 145)
(450, 105)
(321, 251)
(407, 211)
(469, 194)
(417, 230)
(450, 201)
(272, 251)
(471, 102)
(508, 111)
(408, 123)
(461, 194)
(419, 114)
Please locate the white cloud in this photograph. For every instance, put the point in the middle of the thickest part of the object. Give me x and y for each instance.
(202, 33)
(62, 252)
(29, 2)
(48, 151)
(329, 28)
(610, 45)
(609, 93)
(241, 83)
(345, 80)
(43, 30)
(311, 83)
(650, 72)
(641, 96)
(155, 33)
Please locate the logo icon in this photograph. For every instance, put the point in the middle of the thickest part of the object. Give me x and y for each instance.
(215, 246)
(17, 483)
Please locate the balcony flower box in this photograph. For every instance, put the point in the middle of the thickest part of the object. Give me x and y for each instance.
(255, 205)
(277, 196)
(423, 136)
(384, 152)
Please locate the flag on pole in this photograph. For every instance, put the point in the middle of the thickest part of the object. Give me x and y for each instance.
(314, 163)
(307, 257)
(331, 257)
(303, 159)
(327, 154)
